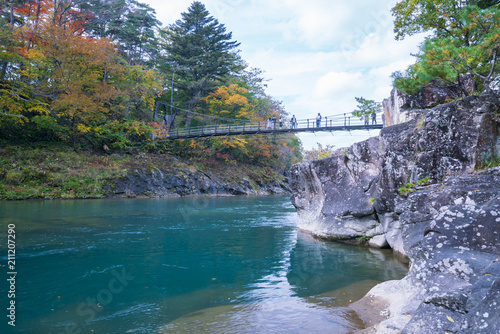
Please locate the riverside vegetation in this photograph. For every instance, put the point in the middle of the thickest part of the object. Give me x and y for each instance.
(84, 84)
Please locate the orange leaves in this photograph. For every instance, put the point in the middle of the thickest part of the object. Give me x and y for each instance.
(36, 14)
(157, 130)
(77, 67)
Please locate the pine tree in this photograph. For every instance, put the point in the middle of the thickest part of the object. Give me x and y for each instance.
(129, 23)
(200, 52)
(466, 40)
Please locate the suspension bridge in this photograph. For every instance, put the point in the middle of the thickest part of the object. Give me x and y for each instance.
(202, 126)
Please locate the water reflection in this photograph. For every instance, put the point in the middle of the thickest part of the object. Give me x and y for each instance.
(316, 266)
(298, 297)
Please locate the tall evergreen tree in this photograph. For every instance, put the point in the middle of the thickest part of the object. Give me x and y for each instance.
(201, 53)
(136, 33)
(129, 23)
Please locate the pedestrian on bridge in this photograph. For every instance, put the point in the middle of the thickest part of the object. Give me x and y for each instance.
(281, 122)
(374, 118)
(293, 122)
(269, 124)
(318, 120)
(366, 120)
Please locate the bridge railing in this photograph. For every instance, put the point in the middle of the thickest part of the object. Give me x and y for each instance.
(337, 121)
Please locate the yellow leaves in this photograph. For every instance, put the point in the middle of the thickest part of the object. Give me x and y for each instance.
(135, 127)
(234, 142)
(229, 101)
(35, 54)
(82, 128)
(38, 108)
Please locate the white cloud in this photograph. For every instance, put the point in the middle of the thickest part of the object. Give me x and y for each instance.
(318, 23)
(337, 84)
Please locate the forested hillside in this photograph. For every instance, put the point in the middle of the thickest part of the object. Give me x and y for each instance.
(102, 75)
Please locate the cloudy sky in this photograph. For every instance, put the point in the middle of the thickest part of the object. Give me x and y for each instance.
(318, 54)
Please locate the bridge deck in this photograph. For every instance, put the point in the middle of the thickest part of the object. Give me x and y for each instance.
(252, 129)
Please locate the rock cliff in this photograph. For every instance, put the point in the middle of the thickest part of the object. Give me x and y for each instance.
(398, 108)
(423, 189)
(160, 176)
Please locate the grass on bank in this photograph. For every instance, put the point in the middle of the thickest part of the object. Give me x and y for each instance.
(48, 172)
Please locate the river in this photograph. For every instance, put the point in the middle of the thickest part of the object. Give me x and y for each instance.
(188, 265)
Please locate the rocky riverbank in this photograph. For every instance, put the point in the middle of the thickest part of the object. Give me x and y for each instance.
(160, 176)
(429, 190)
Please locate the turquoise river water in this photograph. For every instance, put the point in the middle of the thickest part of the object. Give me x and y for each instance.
(189, 265)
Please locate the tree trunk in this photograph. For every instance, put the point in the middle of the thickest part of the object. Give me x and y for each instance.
(3, 69)
(461, 85)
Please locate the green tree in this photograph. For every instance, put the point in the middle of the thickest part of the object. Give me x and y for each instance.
(441, 17)
(365, 107)
(129, 23)
(201, 53)
(135, 32)
(467, 43)
(105, 15)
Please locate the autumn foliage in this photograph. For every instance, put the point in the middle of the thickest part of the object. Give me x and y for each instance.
(60, 82)
(91, 73)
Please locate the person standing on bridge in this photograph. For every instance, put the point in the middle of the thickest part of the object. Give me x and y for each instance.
(318, 120)
(374, 118)
(269, 124)
(366, 120)
(293, 122)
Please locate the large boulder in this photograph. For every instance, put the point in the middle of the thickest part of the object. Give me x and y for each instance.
(334, 196)
(450, 233)
(358, 193)
(455, 252)
(417, 188)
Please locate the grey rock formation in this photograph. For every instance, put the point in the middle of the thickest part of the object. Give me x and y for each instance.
(399, 107)
(447, 227)
(167, 177)
(451, 234)
(332, 195)
(354, 193)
